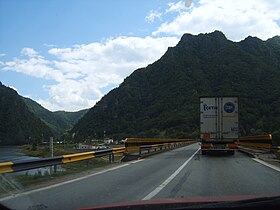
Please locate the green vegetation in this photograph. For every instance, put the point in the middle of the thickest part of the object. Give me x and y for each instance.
(58, 121)
(44, 150)
(17, 124)
(162, 100)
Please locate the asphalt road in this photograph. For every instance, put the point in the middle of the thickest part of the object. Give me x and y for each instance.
(183, 172)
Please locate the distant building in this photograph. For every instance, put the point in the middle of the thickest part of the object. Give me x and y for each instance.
(85, 146)
(108, 141)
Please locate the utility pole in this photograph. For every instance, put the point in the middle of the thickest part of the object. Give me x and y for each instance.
(51, 150)
(51, 146)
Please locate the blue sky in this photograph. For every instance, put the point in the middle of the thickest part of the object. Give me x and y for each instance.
(66, 54)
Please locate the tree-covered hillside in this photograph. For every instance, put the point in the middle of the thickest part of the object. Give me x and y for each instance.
(162, 100)
(17, 124)
(58, 121)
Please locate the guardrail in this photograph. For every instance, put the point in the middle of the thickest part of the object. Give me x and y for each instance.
(134, 143)
(275, 148)
(148, 149)
(136, 152)
(260, 141)
(17, 166)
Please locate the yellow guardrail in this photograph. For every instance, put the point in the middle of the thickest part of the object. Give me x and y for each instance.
(259, 141)
(256, 145)
(131, 148)
(118, 150)
(43, 162)
(132, 144)
(77, 157)
(258, 137)
(154, 146)
(6, 167)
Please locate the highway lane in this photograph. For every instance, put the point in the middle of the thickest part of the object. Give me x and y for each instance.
(200, 176)
(218, 175)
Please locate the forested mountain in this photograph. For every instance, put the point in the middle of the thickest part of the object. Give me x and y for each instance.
(17, 124)
(58, 121)
(162, 100)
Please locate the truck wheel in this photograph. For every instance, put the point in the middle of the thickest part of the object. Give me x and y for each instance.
(203, 152)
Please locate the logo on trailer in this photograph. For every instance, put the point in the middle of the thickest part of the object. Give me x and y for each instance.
(229, 107)
(206, 107)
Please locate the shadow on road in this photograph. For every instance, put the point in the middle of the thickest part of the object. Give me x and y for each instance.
(218, 154)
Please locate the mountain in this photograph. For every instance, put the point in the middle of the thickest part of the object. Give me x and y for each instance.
(17, 124)
(162, 100)
(58, 121)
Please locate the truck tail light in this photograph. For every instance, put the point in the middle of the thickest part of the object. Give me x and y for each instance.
(232, 146)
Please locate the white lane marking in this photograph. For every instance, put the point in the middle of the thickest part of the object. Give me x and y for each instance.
(62, 183)
(169, 179)
(267, 164)
(136, 161)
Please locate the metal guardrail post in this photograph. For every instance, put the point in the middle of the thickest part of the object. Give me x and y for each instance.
(113, 157)
(110, 158)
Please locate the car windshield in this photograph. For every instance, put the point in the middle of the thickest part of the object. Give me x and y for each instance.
(142, 103)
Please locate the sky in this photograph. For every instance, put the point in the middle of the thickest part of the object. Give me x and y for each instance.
(67, 54)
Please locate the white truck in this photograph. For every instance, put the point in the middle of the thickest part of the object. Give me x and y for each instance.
(218, 124)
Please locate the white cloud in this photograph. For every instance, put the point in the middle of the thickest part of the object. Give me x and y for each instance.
(2, 54)
(153, 14)
(82, 71)
(34, 65)
(236, 18)
(71, 95)
(176, 7)
(49, 45)
(29, 52)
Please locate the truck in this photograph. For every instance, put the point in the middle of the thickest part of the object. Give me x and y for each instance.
(218, 124)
